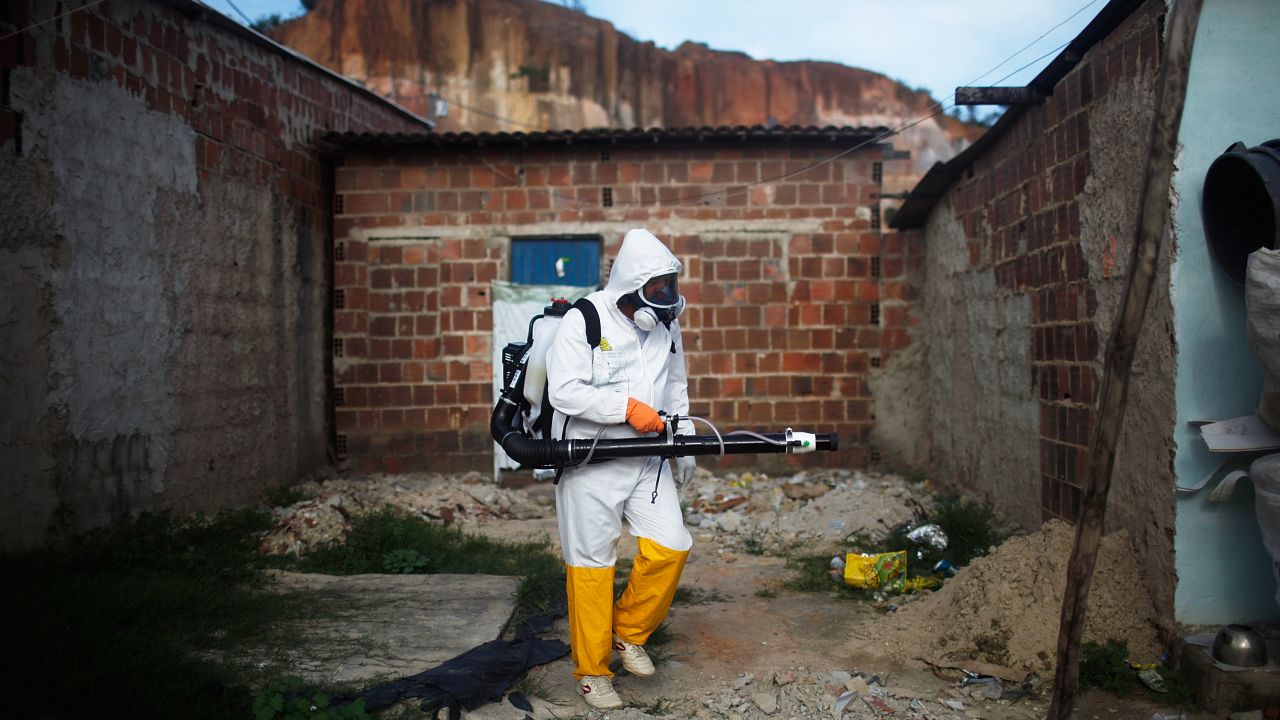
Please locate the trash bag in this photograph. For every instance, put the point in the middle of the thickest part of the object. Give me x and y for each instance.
(1265, 474)
(1262, 303)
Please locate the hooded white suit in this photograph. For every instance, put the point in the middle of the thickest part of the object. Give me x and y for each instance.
(589, 387)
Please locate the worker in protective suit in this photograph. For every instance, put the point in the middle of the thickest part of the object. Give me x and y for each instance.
(637, 370)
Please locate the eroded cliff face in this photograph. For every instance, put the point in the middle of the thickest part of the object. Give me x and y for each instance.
(547, 67)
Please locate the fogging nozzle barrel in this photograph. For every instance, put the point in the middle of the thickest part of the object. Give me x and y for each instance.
(535, 453)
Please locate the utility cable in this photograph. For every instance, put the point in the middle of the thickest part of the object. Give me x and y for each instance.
(930, 112)
(55, 17)
(488, 114)
(240, 12)
(1033, 42)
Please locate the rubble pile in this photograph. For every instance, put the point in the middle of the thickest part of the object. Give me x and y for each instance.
(815, 508)
(1004, 608)
(463, 500)
(837, 694)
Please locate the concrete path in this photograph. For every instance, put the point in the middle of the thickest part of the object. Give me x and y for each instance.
(362, 628)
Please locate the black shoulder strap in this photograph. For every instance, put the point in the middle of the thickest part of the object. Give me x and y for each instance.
(592, 317)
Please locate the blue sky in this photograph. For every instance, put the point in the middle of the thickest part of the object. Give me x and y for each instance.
(935, 44)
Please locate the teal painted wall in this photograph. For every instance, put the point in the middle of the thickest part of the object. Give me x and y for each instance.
(1223, 570)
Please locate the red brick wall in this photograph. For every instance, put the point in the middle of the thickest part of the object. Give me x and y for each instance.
(167, 204)
(256, 112)
(781, 328)
(1020, 208)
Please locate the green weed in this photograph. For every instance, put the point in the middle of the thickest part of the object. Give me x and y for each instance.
(659, 707)
(405, 561)
(813, 574)
(283, 497)
(536, 686)
(289, 700)
(1106, 666)
(125, 621)
(697, 596)
(114, 620)
(970, 527)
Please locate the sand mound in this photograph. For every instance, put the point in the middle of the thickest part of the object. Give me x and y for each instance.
(1004, 608)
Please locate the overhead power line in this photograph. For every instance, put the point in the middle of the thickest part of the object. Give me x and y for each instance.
(55, 17)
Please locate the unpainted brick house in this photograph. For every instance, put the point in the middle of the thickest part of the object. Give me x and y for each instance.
(1029, 234)
(796, 295)
(164, 260)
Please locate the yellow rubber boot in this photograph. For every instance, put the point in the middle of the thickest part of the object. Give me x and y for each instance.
(590, 593)
(644, 604)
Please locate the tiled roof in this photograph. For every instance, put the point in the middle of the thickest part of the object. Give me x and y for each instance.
(736, 135)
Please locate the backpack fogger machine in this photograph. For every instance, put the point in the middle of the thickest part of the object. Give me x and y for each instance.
(521, 421)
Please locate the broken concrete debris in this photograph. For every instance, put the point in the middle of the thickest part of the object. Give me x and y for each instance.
(324, 517)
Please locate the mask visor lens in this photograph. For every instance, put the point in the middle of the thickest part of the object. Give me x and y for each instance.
(661, 291)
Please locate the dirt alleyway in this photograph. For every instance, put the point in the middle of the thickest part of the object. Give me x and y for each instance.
(745, 646)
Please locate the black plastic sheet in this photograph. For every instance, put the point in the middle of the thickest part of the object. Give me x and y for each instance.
(477, 676)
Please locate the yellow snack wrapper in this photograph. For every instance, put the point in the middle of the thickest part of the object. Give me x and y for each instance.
(885, 571)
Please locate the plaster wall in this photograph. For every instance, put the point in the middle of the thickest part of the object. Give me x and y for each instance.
(1141, 496)
(163, 264)
(979, 374)
(1223, 569)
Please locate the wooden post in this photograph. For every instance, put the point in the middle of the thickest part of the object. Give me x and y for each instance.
(1153, 217)
(997, 96)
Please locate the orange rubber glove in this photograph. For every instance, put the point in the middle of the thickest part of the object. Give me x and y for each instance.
(643, 418)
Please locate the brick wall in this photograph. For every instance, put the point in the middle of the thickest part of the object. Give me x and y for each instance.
(793, 295)
(1020, 209)
(164, 235)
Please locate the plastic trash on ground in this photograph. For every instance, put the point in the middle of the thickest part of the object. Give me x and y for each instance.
(885, 571)
(930, 535)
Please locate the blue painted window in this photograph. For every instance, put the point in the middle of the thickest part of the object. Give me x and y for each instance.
(557, 260)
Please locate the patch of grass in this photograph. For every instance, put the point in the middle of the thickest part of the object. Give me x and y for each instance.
(114, 620)
(1180, 692)
(767, 592)
(445, 549)
(697, 596)
(754, 541)
(387, 540)
(127, 621)
(1106, 666)
(531, 686)
(970, 527)
(282, 497)
(659, 707)
(813, 574)
(289, 699)
(658, 646)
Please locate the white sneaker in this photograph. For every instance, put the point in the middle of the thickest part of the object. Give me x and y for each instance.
(598, 691)
(634, 658)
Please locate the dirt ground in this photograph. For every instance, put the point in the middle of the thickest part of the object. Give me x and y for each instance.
(746, 647)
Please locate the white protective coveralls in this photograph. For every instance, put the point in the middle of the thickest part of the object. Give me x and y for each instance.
(591, 387)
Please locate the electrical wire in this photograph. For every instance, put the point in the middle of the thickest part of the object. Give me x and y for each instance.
(32, 26)
(932, 111)
(937, 108)
(1033, 42)
(240, 12)
(487, 114)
